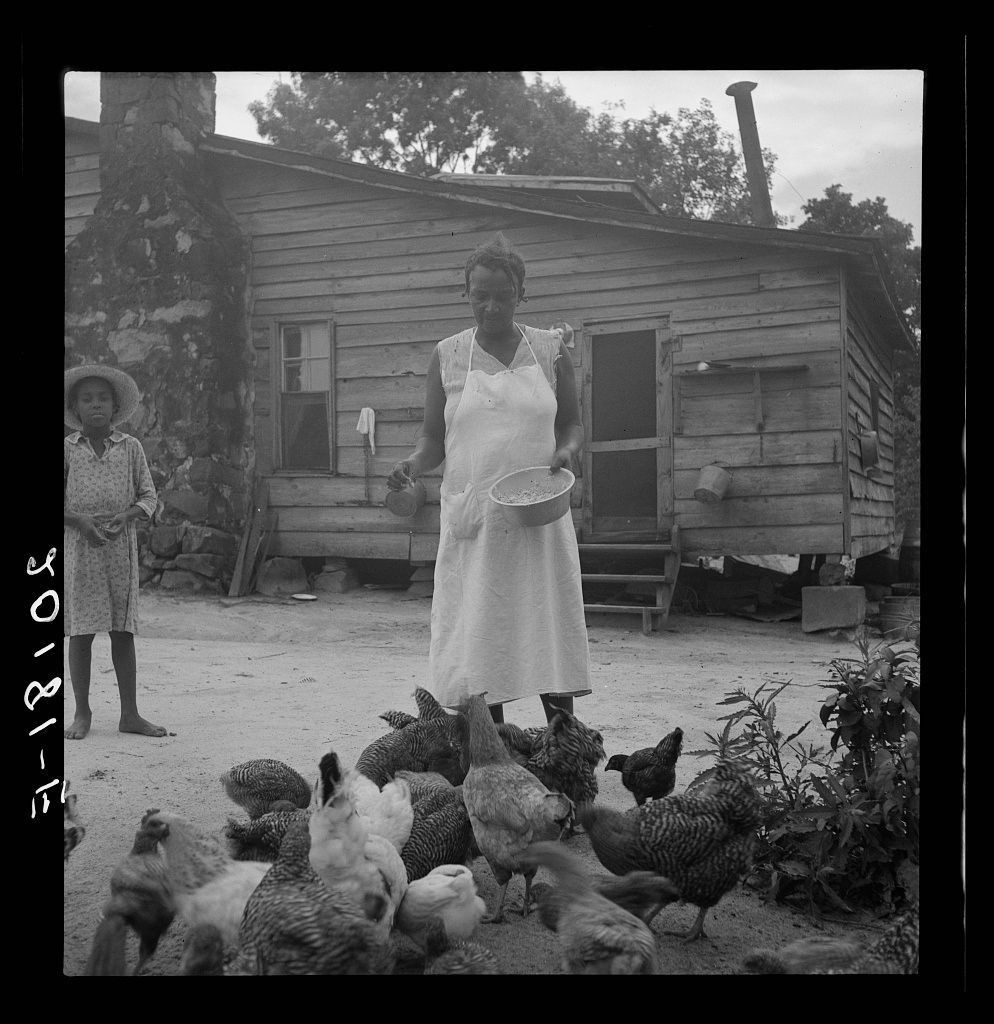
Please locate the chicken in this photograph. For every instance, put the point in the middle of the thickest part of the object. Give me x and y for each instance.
(563, 754)
(260, 838)
(208, 887)
(895, 952)
(649, 773)
(702, 842)
(343, 851)
(432, 742)
(203, 952)
(387, 812)
(256, 785)
(448, 956)
(509, 808)
(638, 892)
(596, 935)
(448, 893)
(397, 719)
(295, 924)
(72, 831)
(140, 898)
(440, 832)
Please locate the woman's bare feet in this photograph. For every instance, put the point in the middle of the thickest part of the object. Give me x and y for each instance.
(79, 728)
(135, 723)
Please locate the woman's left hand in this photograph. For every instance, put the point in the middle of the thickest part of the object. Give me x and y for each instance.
(115, 525)
(562, 458)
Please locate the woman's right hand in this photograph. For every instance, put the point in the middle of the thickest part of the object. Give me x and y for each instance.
(88, 528)
(401, 476)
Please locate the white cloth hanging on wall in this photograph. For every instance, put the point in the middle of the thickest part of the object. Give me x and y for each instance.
(367, 425)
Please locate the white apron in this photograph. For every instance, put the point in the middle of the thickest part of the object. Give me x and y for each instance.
(507, 612)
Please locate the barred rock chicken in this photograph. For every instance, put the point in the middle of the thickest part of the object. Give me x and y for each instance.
(344, 853)
(441, 832)
(447, 893)
(72, 831)
(454, 956)
(140, 898)
(509, 808)
(256, 785)
(295, 924)
(702, 842)
(649, 773)
(208, 887)
(563, 754)
(397, 719)
(429, 743)
(260, 838)
(596, 935)
(203, 952)
(895, 952)
(638, 892)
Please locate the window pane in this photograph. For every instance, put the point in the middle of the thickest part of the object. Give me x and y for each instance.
(317, 376)
(305, 432)
(318, 341)
(291, 343)
(624, 386)
(292, 377)
(624, 483)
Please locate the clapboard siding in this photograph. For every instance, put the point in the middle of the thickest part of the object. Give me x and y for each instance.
(82, 182)
(388, 270)
(871, 498)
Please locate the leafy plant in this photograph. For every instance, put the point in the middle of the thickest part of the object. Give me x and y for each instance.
(841, 822)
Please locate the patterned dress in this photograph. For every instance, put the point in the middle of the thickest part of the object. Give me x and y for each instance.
(101, 583)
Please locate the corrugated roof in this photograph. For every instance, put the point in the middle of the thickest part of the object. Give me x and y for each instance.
(864, 255)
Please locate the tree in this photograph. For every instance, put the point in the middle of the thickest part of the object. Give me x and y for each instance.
(837, 214)
(419, 122)
(497, 123)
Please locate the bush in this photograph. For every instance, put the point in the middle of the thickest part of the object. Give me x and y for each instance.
(842, 821)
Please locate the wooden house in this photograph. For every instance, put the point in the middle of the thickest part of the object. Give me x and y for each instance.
(357, 272)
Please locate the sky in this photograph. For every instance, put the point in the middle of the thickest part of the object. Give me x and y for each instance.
(861, 129)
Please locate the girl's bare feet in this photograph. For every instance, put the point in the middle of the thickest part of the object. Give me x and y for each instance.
(79, 728)
(135, 723)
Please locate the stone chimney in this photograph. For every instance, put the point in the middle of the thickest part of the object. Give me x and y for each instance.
(156, 284)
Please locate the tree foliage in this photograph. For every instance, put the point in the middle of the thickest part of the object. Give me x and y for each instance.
(836, 213)
(494, 122)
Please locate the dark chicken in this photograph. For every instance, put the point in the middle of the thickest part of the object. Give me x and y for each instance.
(260, 838)
(256, 785)
(702, 841)
(649, 773)
(141, 899)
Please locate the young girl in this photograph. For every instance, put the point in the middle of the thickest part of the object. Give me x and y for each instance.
(107, 487)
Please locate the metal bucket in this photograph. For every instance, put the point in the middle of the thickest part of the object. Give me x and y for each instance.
(406, 502)
(712, 483)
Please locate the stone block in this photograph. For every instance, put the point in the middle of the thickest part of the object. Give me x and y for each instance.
(191, 505)
(146, 574)
(167, 540)
(282, 576)
(206, 540)
(336, 581)
(832, 607)
(206, 565)
(201, 473)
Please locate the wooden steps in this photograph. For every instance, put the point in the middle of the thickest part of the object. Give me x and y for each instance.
(663, 555)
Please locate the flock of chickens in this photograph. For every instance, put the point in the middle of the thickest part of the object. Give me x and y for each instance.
(326, 878)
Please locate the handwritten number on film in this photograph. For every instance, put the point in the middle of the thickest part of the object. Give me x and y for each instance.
(44, 609)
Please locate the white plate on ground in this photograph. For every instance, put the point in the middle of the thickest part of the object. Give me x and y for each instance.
(304, 597)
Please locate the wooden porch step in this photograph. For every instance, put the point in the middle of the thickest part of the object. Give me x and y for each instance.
(662, 548)
(623, 577)
(625, 608)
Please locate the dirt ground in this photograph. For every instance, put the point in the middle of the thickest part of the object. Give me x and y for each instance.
(290, 680)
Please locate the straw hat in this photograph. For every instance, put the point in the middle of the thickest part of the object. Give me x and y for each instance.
(126, 392)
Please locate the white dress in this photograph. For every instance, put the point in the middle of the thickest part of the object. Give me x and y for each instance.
(507, 613)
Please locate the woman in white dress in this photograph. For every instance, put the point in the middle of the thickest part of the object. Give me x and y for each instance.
(507, 613)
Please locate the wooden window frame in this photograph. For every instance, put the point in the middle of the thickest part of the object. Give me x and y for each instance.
(276, 369)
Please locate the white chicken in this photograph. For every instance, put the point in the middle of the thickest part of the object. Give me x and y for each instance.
(449, 893)
(208, 887)
(346, 855)
(386, 812)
